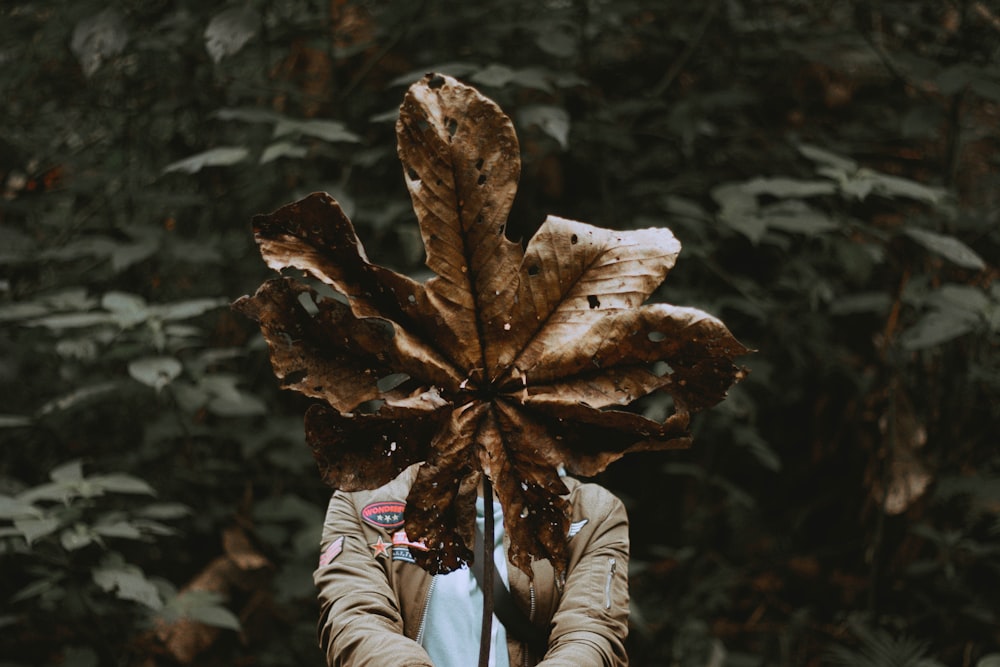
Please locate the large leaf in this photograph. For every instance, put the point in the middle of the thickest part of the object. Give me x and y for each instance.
(507, 362)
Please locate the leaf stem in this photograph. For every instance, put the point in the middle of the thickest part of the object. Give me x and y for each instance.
(487, 556)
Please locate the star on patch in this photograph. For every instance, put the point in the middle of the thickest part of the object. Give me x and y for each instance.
(380, 548)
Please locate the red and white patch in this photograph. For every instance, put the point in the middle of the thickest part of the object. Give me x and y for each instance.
(380, 548)
(387, 514)
(399, 539)
(332, 551)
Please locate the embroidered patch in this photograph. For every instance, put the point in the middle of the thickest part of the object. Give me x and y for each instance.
(332, 551)
(576, 527)
(399, 538)
(386, 514)
(380, 548)
(403, 554)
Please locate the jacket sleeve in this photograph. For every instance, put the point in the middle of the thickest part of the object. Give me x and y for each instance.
(591, 623)
(360, 624)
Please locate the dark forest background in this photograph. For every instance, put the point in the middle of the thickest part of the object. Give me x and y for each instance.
(831, 168)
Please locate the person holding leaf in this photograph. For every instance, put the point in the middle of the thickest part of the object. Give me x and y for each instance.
(511, 363)
(378, 607)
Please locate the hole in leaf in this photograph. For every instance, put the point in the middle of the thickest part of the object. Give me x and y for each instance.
(436, 81)
(391, 381)
(656, 336)
(574, 239)
(452, 126)
(662, 368)
(370, 407)
(500, 230)
(533, 270)
(479, 163)
(306, 301)
(422, 124)
(294, 377)
(481, 179)
(411, 298)
(593, 301)
(413, 175)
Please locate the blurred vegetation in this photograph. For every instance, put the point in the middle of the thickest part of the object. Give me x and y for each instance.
(830, 167)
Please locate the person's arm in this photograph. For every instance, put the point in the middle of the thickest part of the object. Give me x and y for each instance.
(591, 623)
(360, 623)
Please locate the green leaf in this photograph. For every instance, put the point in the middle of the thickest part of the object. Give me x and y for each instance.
(933, 329)
(553, 121)
(216, 616)
(124, 255)
(126, 309)
(733, 199)
(71, 321)
(533, 77)
(748, 437)
(557, 43)
(16, 508)
(789, 188)
(222, 156)
(247, 114)
(229, 31)
(14, 421)
(493, 75)
(164, 511)
(121, 483)
(97, 39)
(797, 217)
(203, 606)
(966, 299)
(825, 157)
(948, 247)
(183, 310)
(877, 303)
(39, 587)
(894, 186)
(120, 529)
(239, 404)
(55, 491)
(327, 130)
(155, 372)
(77, 537)
(127, 582)
(33, 529)
(227, 400)
(458, 69)
(282, 149)
(12, 312)
(76, 397)
(71, 471)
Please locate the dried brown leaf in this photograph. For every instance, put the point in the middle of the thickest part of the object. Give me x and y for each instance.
(506, 362)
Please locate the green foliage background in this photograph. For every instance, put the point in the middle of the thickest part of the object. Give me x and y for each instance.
(830, 167)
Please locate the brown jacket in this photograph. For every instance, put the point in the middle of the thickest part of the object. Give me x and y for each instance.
(372, 599)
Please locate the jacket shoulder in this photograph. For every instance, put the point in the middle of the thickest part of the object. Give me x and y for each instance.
(397, 489)
(591, 499)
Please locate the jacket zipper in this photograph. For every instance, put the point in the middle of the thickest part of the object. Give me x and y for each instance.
(612, 565)
(423, 617)
(531, 617)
